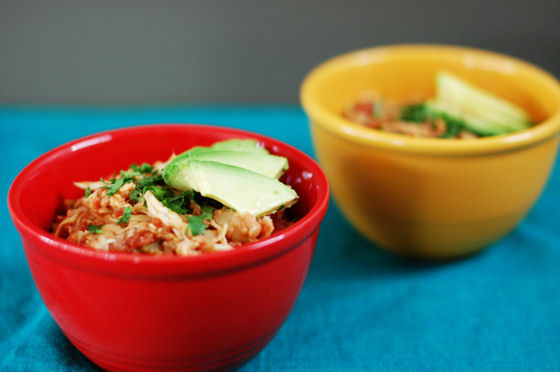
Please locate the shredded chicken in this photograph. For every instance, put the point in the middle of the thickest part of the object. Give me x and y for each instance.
(243, 227)
(385, 115)
(165, 215)
(153, 228)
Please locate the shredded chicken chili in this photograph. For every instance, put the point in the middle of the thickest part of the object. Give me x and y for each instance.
(398, 118)
(136, 212)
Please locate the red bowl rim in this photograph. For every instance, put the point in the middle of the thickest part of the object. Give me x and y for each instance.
(127, 264)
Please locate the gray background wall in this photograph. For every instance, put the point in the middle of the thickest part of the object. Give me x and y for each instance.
(138, 52)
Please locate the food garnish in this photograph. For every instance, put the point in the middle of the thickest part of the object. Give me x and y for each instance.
(459, 109)
(127, 212)
(95, 229)
(205, 199)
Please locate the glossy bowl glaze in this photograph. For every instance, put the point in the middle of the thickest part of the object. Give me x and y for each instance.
(431, 198)
(138, 312)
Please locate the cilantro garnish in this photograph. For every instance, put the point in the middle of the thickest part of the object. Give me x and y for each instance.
(114, 186)
(116, 183)
(127, 212)
(159, 192)
(179, 203)
(453, 127)
(196, 225)
(95, 229)
(88, 192)
(144, 168)
(129, 175)
(134, 195)
(419, 113)
(415, 113)
(207, 212)
(142, 183)
(147, 178)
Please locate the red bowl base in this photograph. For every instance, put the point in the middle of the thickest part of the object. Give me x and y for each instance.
(231, 361)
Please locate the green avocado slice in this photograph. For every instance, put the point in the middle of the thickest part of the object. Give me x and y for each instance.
(245, 145)
(488, 113)
(263, 163)
(473, 123)
(238, 188)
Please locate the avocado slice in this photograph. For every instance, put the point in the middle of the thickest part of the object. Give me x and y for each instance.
(238, 188)
(263, 163)
(482, 112)
(470, 122)
(245, 145)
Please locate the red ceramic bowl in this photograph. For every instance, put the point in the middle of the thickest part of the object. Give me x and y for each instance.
(138, 312)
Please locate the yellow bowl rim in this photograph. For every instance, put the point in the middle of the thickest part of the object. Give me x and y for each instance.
(357, 133)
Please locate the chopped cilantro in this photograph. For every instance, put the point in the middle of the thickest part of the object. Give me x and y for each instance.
(179, 203)
(144, 168)
(114, 186)
(129, 175)
(147, 178)
(142, 183)
(159, 192)
(419, 113)
(415, 113)
(95, 229)
(134, 195)
(196, 225)
(453, 126)
(88, 192)
(190, 194)
(127, 212)
(207, 212)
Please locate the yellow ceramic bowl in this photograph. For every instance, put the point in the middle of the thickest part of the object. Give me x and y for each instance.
(431, 198)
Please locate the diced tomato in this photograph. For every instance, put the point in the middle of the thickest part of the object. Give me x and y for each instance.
(83, 225)
(364, 106)
(157, 222)
(140, 239)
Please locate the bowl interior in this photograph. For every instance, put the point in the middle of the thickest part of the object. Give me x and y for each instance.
(41, 187)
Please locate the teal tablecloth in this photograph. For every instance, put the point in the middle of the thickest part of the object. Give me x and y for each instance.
(360, 309)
